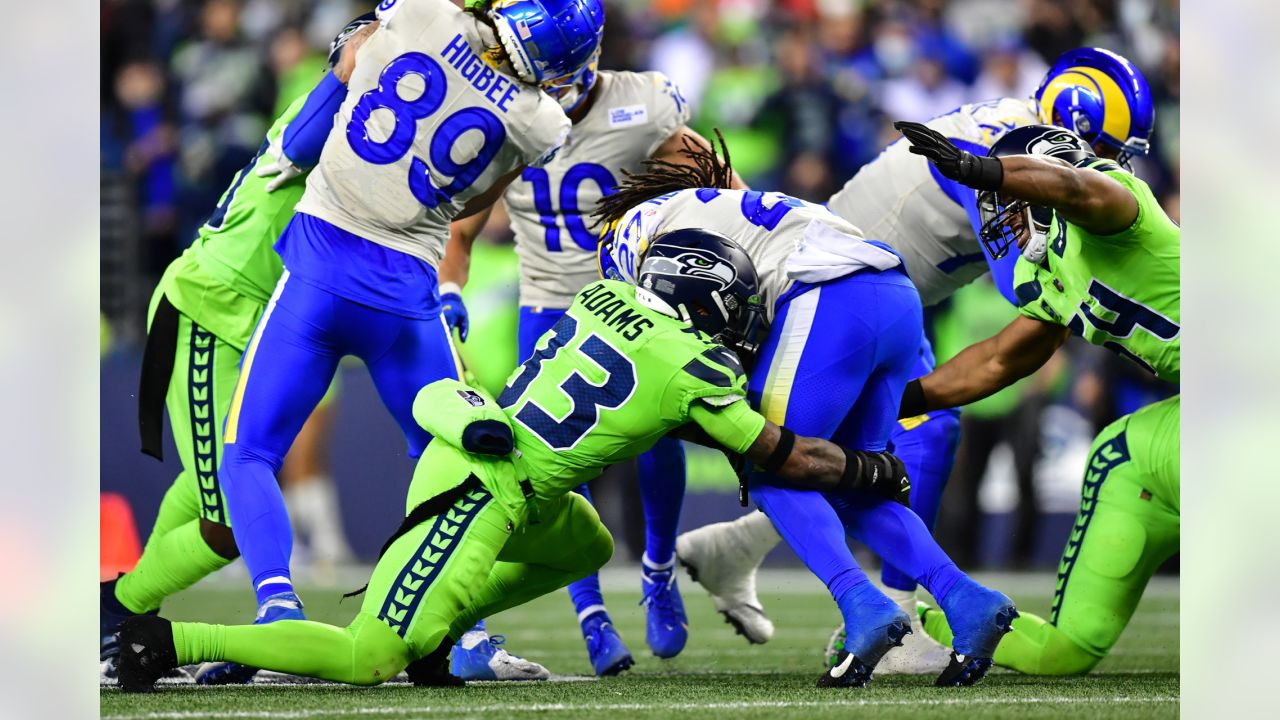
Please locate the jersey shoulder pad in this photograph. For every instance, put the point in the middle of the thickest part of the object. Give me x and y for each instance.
(670, 108)
(544, 134)
(714, 375)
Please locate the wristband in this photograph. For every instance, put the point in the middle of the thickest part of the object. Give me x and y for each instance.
(450, 288)
(852, 471)
(782, 451)
(981, 173)
(913, 402)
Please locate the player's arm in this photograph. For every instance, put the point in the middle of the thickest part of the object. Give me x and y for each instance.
(673, 150)
(455, 268)
(486, 199)
(1085, 197)
(985, 367)
(346, 63)
(804, 462)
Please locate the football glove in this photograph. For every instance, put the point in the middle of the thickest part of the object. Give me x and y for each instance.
(455, 312)
(975, 171)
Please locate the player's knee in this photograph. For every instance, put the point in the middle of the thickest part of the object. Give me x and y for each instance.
(219, 538)
(374, 660)
(1068, 658)
(237, 456)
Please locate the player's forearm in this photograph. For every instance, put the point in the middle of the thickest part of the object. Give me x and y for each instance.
(1084, 197)
(455, 266)
(816, 464)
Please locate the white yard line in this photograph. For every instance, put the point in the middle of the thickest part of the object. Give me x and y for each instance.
(565, 707)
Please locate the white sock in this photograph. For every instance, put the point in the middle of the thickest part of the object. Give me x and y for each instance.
(658, 567)
(589, 611)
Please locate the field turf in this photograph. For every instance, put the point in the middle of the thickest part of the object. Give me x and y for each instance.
(717, 675)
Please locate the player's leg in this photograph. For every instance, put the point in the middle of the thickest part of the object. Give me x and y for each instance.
(609, 654)
(286, 369)
(1127, 527)
(310, 493)
(661, 475)
(190, 538)
(810, 374)
(724, 557)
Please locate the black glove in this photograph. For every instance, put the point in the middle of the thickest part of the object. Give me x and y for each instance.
(976, 171)
(880, 473)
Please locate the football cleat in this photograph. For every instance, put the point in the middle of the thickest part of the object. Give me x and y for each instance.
(723, 559)
(666, 625)
(919, 654)
(979, 617)
(281, 606)
(111, 613)
(851, 664)
(479, 656)
(609, 655)
(146, 652)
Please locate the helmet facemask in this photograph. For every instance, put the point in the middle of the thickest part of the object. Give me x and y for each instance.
(570, 90)
(1006, 221)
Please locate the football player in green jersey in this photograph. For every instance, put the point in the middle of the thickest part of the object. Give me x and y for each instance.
(1099, 258)
(201, 317)
(491, 521)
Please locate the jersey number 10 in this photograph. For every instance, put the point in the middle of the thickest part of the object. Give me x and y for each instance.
(588, 398)
(407, 113)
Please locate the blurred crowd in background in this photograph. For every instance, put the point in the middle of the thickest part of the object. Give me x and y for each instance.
(804, 92)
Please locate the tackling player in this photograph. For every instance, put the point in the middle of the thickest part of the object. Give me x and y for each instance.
(491, 521)
(444, 107)
(620, 119)
(1099, 258)
(202, 315)
(933, 222)
(845, 328)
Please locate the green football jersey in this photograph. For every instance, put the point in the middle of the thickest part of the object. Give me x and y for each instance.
(225, 279)
(1119, 291)
(610, 379)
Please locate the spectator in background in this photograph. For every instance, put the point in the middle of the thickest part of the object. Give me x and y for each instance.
(926, 92)
(225, 95)
(801, 115)
(139, 139)
(687, 54)
(296, 64)
(1008, 70)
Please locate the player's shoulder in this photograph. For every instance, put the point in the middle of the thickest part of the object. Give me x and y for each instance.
(639, 99)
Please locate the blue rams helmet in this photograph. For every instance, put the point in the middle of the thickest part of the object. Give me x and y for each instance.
(708, 281)
(1101, 97)
(552, 43)
(1008, 221)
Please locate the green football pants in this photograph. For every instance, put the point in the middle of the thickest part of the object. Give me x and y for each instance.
(1128, 525)
(431, 585)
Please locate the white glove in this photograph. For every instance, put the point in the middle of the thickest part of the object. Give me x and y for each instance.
(281, 167)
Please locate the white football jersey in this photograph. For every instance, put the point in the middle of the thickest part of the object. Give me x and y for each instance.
(428, 124)
(897, 200)
(551, 206)
(768, 225)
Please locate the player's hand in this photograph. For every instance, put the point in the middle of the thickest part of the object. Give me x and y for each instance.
(281, 167)
(455, 312)
(975, 171)
(884, 474)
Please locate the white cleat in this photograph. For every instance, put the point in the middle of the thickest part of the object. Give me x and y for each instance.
(723, 558)
(919, 654)
(478, 656)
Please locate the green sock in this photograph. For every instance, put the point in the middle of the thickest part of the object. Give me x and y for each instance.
(1034, 647)
(365, 653)
(171, 562)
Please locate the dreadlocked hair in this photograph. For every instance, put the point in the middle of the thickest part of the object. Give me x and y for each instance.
(660, 177)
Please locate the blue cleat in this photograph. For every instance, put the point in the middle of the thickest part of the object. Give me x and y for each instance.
(609, 655)
(479, 656)
(979, 617)
(666, 625)
(281, 606)
(853, 654)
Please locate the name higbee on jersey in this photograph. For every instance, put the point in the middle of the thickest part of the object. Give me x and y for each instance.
(605, 304)
(497, 89)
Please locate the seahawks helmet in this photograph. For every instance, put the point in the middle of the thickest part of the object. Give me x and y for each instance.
(1005, 218)
(554, 44)
(1101, 97)
(708, 281)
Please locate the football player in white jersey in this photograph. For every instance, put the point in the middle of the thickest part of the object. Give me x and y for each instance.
(902, 200)
(844, 327)
(620, 120)
(444, 107)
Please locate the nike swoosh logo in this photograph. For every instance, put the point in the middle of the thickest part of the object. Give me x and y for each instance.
(842, 668)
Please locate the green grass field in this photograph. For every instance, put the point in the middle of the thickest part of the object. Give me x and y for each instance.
(717, 675)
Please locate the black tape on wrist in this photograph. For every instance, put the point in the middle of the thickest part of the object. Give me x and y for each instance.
(782, 451)
(852, 471)
(913, 402)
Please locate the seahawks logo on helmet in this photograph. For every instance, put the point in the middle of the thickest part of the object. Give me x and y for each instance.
(1056, 141)
(694, 263)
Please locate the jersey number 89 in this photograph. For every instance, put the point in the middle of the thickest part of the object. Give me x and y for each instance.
(587, 398)
(407, 113)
